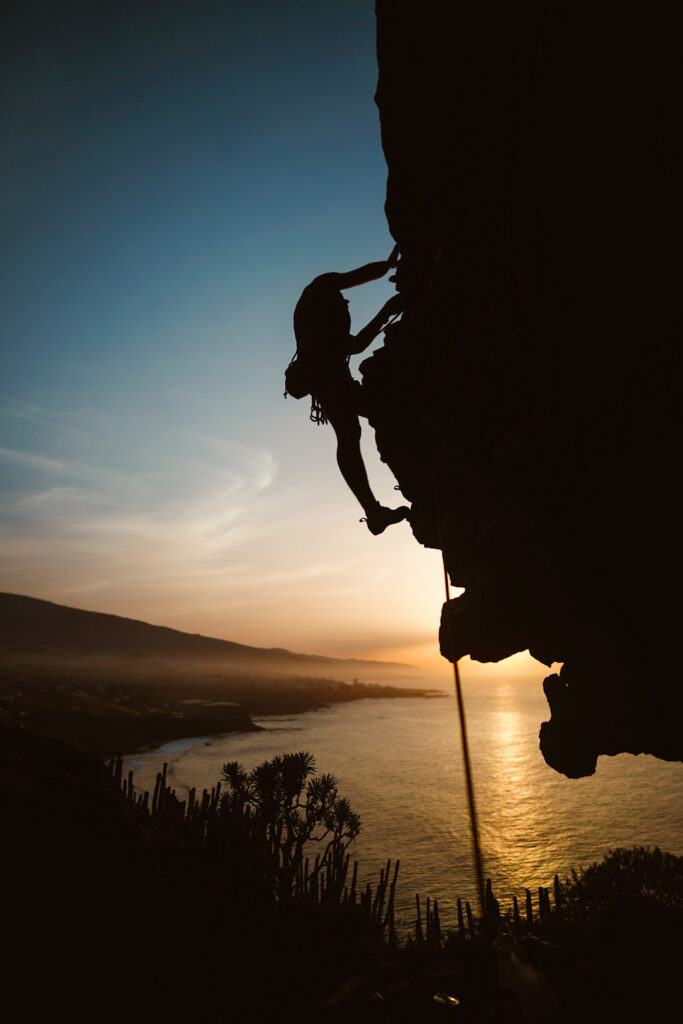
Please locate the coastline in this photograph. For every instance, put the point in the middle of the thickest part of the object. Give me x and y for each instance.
(125, 707)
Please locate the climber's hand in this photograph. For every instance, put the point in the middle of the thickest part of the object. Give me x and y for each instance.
(393, 258)
(394, 305)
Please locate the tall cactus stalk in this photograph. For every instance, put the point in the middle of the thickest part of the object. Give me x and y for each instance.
(557, 892)
(470, 921)
(461, 920)
(419, 934)
(354, 880)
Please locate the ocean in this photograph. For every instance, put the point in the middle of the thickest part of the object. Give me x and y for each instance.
(399, 763)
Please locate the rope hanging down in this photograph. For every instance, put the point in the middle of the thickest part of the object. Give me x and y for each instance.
(474, 827)
(469, 783)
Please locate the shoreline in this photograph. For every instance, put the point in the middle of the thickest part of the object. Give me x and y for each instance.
(110, 710)
(250, 725)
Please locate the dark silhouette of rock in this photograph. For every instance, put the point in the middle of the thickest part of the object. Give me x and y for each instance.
(527, 402)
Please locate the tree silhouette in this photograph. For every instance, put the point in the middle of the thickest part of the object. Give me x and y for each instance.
(287, 812)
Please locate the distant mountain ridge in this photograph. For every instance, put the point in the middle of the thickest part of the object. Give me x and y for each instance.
(31, 626)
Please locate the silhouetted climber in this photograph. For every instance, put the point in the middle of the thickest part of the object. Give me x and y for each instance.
(322, 327)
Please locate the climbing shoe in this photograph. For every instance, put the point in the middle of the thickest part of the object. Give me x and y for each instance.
(381, 517)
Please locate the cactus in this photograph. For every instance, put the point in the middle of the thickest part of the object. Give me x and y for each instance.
(419, 934)
(437, 925)
(557, 890)
(470, 921)
(354, 880)
(461, 921)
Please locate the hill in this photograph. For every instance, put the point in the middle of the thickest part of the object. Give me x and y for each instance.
(104, 683)
(32, 627)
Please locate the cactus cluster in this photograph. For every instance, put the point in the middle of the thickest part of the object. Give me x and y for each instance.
(255, 832)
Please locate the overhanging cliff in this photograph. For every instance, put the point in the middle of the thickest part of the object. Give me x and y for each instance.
(527, 402)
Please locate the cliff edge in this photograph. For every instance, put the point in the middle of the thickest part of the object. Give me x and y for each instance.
(527, 401)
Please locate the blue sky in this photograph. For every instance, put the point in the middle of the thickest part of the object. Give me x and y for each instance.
(175, 175)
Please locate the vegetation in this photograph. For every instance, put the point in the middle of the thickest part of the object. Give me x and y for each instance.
(628, 872)
(284, 832)
(248, 886)
(281, 809)
(274, 837)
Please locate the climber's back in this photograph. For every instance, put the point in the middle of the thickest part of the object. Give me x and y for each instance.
(321, 316)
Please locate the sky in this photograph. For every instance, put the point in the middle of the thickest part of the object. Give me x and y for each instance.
(174, 175)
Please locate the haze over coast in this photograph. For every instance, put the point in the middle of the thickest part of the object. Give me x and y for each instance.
(106, 684)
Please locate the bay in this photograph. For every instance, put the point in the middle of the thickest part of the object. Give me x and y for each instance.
(399, 763)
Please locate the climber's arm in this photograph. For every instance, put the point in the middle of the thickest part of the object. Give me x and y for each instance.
(370, 272)
(360, 341)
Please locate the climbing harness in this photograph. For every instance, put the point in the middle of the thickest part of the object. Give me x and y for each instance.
(298, 385)
(298, 382)
(317, 415)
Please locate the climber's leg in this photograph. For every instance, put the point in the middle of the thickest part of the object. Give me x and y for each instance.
(349, 457)
(350, 460)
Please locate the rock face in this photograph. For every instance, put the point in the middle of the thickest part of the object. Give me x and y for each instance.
(527, 402)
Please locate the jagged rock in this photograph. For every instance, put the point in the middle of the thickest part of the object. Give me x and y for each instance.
(527, 402)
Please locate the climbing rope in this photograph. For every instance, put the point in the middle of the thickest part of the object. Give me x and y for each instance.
(474, 826)
(467, 764)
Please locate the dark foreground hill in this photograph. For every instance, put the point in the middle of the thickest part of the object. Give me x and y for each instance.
(29, 626)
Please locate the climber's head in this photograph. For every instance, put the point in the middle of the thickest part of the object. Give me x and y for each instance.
(339, 307)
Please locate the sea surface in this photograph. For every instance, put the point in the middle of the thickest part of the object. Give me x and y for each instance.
(399, 763)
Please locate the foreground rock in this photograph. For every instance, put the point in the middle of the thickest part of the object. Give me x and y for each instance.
(528, 400)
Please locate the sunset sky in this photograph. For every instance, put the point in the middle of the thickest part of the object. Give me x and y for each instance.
(176, 174)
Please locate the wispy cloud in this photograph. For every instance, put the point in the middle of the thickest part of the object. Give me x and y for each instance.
(256, 465)
(173, 520)
(51, 419)
(31, 461)
(205, 533)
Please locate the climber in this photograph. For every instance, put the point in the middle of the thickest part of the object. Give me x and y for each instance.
(322, 327)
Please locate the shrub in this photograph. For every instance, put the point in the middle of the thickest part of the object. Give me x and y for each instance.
(629, 872)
